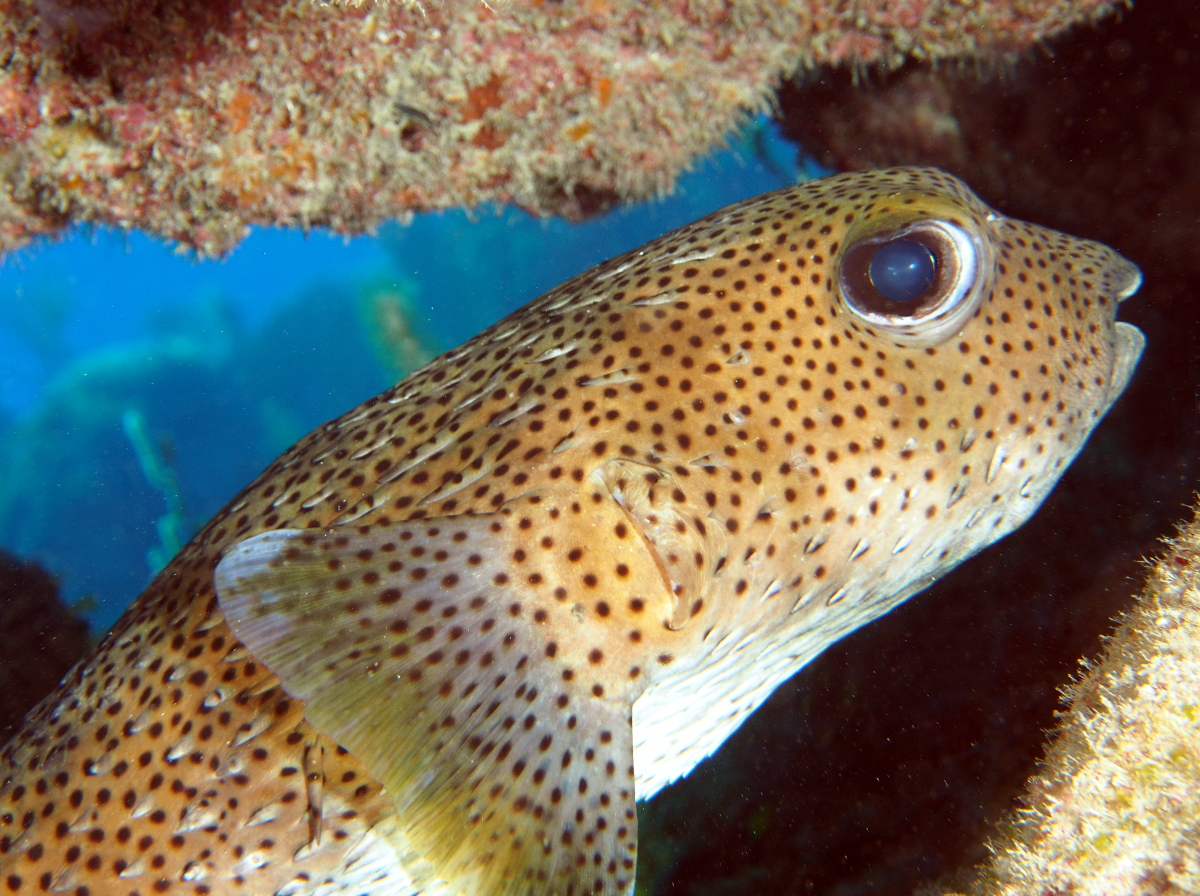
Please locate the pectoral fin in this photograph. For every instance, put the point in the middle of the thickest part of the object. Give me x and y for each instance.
(413, 646)
(685, 547)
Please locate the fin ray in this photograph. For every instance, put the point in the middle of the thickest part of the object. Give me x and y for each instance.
(410, 646)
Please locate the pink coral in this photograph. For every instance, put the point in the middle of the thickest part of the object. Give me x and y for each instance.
(195, 119)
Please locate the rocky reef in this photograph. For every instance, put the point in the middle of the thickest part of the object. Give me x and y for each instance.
(193, 120)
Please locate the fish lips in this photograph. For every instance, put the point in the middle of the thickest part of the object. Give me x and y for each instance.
(1129, 342)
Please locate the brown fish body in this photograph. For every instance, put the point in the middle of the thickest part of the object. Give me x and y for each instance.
(453, 634)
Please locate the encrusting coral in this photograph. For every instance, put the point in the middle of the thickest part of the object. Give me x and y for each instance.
(1116, 810)
(194, 120)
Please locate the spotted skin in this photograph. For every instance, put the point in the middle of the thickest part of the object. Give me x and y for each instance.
(654, 493)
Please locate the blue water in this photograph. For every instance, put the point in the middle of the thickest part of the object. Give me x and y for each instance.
(219, 365)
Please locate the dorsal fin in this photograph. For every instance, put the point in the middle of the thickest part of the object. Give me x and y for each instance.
(414, 646)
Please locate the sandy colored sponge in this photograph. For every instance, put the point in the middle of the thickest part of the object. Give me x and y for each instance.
(1116, 811)
(193, 120)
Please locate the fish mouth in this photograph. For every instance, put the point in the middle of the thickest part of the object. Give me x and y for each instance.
(1124, 278)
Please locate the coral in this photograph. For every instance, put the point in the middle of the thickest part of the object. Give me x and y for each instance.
(1117, 809)
(194, 120)
(42, 639)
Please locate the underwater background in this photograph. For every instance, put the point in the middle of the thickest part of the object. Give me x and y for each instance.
(140, 389)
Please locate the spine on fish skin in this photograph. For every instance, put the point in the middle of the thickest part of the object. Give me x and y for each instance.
(1116, 809)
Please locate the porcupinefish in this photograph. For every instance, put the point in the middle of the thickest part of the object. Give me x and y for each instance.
(444, 643)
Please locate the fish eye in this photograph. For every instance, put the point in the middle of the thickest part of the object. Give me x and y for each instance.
(919, 284)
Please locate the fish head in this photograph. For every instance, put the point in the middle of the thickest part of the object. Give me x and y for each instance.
(916, 372)
(984, 376)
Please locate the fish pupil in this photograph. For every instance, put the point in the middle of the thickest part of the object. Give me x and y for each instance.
(902, 270)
